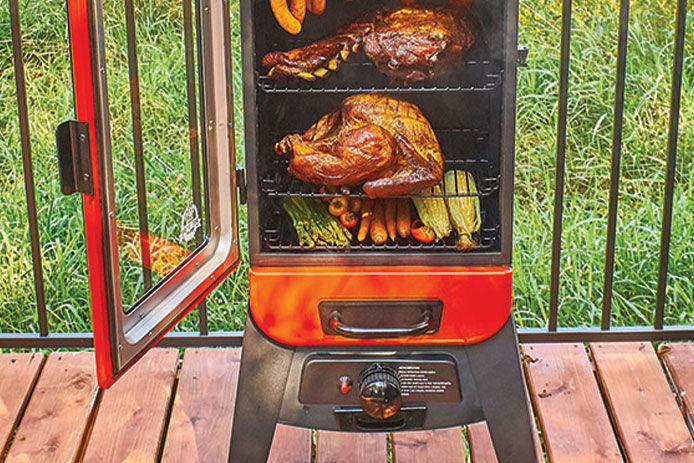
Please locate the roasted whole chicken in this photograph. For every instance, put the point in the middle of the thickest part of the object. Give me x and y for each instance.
(375, 140)
(408, 44)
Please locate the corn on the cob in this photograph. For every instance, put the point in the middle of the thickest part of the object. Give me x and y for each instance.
(463, 210)
(433, 212)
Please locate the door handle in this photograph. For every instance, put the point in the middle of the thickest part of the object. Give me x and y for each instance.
(340, 328)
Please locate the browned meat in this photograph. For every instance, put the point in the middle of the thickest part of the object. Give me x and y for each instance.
(408, 44)
(375, 140)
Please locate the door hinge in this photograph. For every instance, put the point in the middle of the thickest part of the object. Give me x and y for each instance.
(522, 56)
(241, 185)
(74, 161)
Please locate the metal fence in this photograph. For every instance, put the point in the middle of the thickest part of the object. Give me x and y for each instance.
(551, 333)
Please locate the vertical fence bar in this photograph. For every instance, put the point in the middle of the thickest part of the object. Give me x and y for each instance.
(673, 132)
(20, 82)
(616, 162)
(133, 74)
(561, 164)
(193, 135)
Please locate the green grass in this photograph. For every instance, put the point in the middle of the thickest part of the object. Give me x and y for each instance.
(162, 80)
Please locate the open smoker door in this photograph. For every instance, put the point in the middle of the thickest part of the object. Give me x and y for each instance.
(123, 334)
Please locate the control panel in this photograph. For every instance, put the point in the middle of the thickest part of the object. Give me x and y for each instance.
(379, 384)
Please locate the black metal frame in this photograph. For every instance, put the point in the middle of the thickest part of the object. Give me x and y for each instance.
(488, 373)
(657, 332)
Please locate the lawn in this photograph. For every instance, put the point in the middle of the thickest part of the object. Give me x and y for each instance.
(165, 128)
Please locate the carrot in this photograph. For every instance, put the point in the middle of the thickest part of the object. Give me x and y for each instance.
(284, 17)
(403, 217)
(379, 235)
(316, 6)
(390, 218)
(298, 9)
(366, 215)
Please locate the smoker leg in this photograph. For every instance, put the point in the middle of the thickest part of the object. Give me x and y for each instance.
(495, 365)
(262, 380)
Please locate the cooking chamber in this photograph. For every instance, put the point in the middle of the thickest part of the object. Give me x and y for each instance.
(465, 107)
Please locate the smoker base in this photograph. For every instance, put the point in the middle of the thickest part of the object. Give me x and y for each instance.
(490, 380)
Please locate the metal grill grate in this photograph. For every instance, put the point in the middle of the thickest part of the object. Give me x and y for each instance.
(477, 75)
(280, 183)
(280, 236)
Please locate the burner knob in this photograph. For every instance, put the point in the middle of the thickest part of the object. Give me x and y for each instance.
(380, 393)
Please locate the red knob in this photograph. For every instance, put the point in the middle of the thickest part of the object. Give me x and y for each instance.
(345, 384)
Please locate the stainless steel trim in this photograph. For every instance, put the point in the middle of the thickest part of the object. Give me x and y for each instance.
(137, 329)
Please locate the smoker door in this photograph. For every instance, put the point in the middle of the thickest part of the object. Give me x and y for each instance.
(124, 331)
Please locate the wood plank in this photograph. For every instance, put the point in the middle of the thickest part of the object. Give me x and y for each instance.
(203, 410)
(482, 447)
(18, 373)
(54, 422)
(290, 445)
(480, 442)
(562, 384)
(344, 447)
(648, 420)
(440, 446)
(680, 362)
(129, 423)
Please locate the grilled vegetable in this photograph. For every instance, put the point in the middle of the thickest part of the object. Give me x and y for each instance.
(463, 210)
(316, 6)
(314, 225)
(366, 216)
(354, 205)
(422, 233)
(164, 256)
(298, 9)
(284, 17)
(390, 218)
(403, 217)
(338, 206)
(379, 235)
(349, 219)
(433, 212)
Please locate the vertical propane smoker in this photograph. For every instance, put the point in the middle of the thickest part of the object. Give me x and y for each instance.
(370, 102)
(368, 337)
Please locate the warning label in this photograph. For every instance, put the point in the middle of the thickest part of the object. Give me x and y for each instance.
(422, 379)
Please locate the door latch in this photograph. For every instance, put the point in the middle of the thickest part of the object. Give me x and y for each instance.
(74, 163)
(522, 56)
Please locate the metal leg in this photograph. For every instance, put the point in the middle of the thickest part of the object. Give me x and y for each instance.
(262, 380)
(501, 389)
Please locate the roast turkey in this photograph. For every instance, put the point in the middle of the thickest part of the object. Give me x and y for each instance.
(382, 143)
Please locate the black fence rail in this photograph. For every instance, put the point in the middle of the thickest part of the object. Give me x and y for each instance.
(656, 331)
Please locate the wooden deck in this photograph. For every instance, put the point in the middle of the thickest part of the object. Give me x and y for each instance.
(596, 403)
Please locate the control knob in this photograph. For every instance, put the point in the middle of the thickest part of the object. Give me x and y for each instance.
(379, 392)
